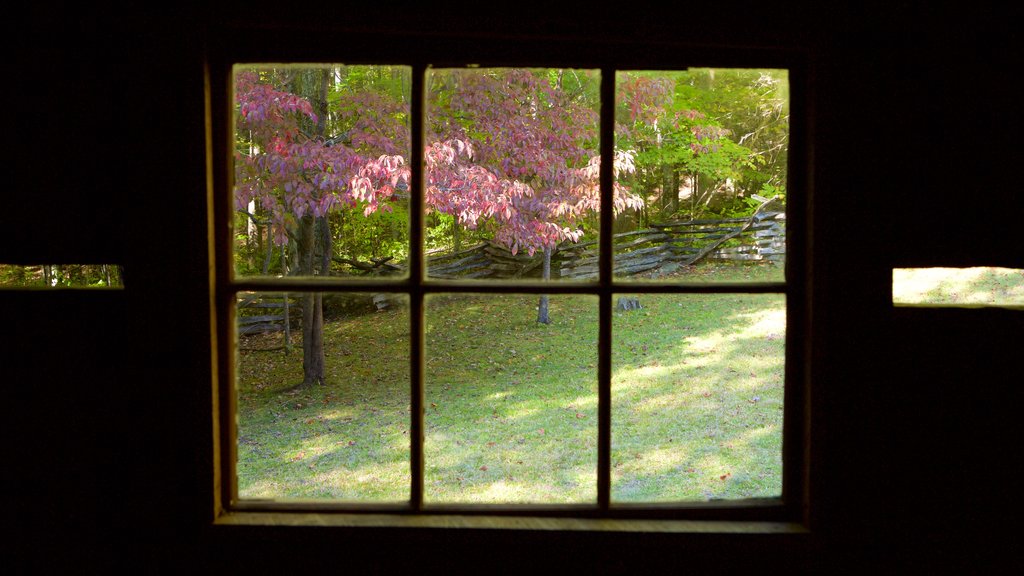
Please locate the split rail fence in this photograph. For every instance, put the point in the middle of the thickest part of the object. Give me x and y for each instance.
(660, 250)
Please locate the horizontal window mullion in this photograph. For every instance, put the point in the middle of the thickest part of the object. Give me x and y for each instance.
(709, 288)
(439, 287)
(334, 284)
(431, 287)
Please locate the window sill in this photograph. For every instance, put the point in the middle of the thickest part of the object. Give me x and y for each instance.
(473, 522)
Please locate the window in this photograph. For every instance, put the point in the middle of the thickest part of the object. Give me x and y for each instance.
(463, 377)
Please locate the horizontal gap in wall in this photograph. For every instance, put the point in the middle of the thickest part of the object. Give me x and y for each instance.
(61, 276)
(956, 287)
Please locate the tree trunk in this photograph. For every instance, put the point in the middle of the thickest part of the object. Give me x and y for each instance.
(674, 193)
(542, 307)
(312, 308)
(287, 319)
(326, 248)
(666, 190)
(313, 303)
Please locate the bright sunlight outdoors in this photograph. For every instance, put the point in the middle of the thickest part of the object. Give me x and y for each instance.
(511, 164)
(958, 286)
(18, 276)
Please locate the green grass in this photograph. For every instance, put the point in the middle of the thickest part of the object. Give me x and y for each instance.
(959, 286)
(511, 405)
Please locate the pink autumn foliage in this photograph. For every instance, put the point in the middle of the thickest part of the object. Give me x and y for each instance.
(524, 165)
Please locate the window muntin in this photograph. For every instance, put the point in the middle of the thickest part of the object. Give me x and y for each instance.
(416, 290)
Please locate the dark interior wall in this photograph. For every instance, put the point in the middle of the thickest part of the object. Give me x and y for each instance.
(914, 458)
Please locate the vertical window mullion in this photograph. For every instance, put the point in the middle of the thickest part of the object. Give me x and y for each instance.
(605, 269)
(416, 267)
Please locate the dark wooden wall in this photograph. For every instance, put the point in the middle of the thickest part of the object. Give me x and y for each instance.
(915, 460)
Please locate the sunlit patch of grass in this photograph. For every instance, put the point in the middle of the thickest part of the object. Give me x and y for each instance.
(980, 285)
(681, 430)
(511, 405)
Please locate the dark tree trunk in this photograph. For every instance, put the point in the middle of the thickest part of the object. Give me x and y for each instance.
(326, 248)
(542, 307)
(312, 308)
(673, 198)
(313, 303)
(287, 312)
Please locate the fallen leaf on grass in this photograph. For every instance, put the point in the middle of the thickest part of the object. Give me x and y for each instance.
(724, 476)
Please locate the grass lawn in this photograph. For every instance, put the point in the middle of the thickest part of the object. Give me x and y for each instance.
(511, 405)
(958, 286)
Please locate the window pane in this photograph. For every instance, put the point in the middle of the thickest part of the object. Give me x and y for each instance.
(697, 396)
(511, 171)
(321, 170)
(952, 286)
(709, 151)
(347, 438)
(511, 404)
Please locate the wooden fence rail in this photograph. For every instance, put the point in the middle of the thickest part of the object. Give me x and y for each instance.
(661, 249)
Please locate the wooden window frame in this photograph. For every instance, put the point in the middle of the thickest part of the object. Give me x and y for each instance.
(787, 513)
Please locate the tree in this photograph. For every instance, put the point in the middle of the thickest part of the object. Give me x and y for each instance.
(536, 132)
(711, 126)
(753, 104)
(530, 170)
(298, 175)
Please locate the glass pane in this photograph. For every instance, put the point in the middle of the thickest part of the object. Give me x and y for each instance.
(60, 276)
(321, 170)
(512, 172)
(697, 396)
(340, 429)
(709, 150)
(511, 404)
(952, 286)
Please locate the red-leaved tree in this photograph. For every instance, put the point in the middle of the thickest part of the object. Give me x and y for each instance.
(539, 140)
(510, 147)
